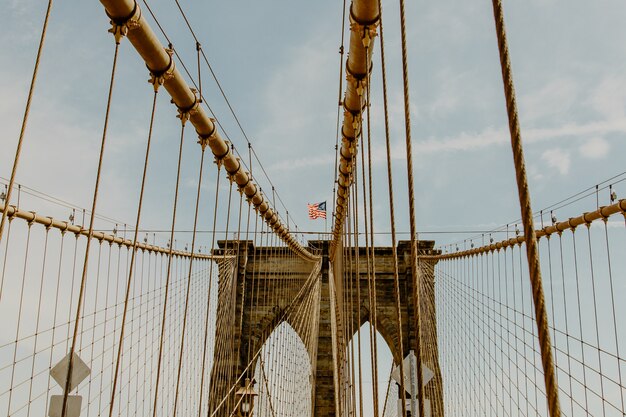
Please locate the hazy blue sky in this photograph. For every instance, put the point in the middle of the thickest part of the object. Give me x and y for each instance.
(278, 63)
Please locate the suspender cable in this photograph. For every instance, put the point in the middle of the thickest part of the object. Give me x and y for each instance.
(368, 263)
(169, 265)
(203, 144)
(414, 261)
(532, 250)
(396, 277)
(208, 299)
(19, 315)
(357, 277)
(133, 255)
(373, 317)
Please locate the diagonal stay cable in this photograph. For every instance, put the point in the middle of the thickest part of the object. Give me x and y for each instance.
(81, 294)
(20, 141)
(532, 250)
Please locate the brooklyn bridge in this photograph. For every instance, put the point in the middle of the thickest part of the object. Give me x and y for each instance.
(156, 259)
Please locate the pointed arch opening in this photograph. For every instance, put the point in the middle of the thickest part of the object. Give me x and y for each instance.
(283, 375)
(364, 375)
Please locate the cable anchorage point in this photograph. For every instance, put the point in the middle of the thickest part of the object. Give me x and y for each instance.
(121, 26)
(158, 78)
(184, 113)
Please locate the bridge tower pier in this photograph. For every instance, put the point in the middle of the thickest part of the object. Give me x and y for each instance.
(248, 328)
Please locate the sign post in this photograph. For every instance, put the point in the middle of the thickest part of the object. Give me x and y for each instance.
(410, 384)
(80, 371)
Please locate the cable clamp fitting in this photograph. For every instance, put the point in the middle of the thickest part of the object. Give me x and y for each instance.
(586, 220)
(367, 30)
(572, 226)
(184, 113)
(250, 197)
(12, 215)
(31, 221)
(356, 122)
(359, 82)
(220, 158)
(231, 175)
(205, 140)
(121, 26)
(622, 206)
(158, 78)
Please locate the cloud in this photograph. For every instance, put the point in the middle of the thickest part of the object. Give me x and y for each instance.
(557, 158)
(395, 109)
(60, 151)
(297, 91)
(295, 164)
(535, 173)
(554, 98)
(608, 98)
(594, 128)
(448, 98)
(469, 141)
(594, 148)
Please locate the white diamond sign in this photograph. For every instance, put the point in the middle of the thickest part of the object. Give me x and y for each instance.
(410, 363)
(80, 371)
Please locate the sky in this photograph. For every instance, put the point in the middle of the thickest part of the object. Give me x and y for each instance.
(278, 64)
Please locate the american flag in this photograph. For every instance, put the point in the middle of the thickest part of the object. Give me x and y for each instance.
(317, 210)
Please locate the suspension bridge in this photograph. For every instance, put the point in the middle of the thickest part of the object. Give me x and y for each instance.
(247, 314)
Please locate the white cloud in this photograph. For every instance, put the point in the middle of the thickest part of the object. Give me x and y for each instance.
(557, 158)
(298, 163)
(448, 97)
(60, 151)
(595, 128)
(452, 21)
(534, 173)
(594, 148)
(395, 109)
(468, 141)
(464, 141)
(553, 98)
(294, 104)
(609, 99)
